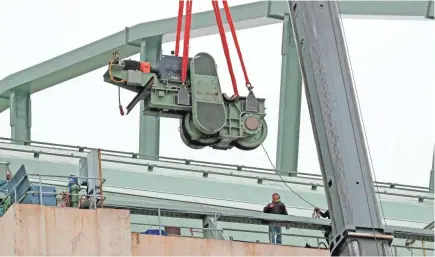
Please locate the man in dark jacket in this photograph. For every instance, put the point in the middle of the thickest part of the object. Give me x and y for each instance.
(275, 207)
(325, 214)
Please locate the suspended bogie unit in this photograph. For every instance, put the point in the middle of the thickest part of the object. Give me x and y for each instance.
(189, 89)
(207, 116)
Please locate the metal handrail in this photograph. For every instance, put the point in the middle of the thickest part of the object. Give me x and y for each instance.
(317, 238)
(14, 188)
(223, 173)
(110, 192)
(242, 168)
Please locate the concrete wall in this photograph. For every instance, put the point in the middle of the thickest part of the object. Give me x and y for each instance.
(27, 230)
(38, 230)
(145, 245)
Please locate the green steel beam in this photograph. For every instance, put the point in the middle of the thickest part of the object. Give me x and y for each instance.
(127, 42)
(149, 126)
(207, 183)
(289, 105)
(21, 116)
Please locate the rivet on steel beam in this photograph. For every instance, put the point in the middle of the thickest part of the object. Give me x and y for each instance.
(392, 185)
(81, 149)
(260, 181)
(239, 168)
(134, 156)
(420, 199)
(150, 167)
(205, 174)
(187, 162)
(35, 155)
(313, 187)
(26, 143)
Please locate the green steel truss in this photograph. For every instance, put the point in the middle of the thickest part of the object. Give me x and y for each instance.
(127, 42)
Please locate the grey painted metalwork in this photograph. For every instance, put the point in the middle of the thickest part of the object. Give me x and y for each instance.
(20, 115)
(430, 226)
(149, 127)
(89, 168)
(357, 228)
(212, 231)
(287, 152)
(255, 218)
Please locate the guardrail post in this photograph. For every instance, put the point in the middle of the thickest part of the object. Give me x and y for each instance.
(160, 221)
(40, 190)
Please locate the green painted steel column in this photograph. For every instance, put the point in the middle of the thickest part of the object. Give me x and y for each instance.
(149, 126)
(21, 116)
(289, 104)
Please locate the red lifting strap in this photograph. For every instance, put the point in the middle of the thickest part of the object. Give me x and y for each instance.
(188, 21)
(225, 45)
(179, 23)
(236, 42)
(187, 24)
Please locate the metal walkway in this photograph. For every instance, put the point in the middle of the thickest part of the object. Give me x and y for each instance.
(222, 185)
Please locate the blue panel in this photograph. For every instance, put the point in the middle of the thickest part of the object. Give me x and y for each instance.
(155, 232)
(22, 187)
(48, 199)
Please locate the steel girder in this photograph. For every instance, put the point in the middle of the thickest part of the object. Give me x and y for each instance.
(224, 185)
(187, 210)
(127, 42)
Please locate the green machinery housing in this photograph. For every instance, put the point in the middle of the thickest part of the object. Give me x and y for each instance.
(207, 116)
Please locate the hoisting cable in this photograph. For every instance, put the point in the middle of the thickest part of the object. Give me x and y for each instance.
(282, 179)
(236, 43)
(187, 24)
(225, 46)
(285, 183)
(179, 25)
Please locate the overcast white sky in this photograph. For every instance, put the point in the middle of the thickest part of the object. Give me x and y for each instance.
(393, 63)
